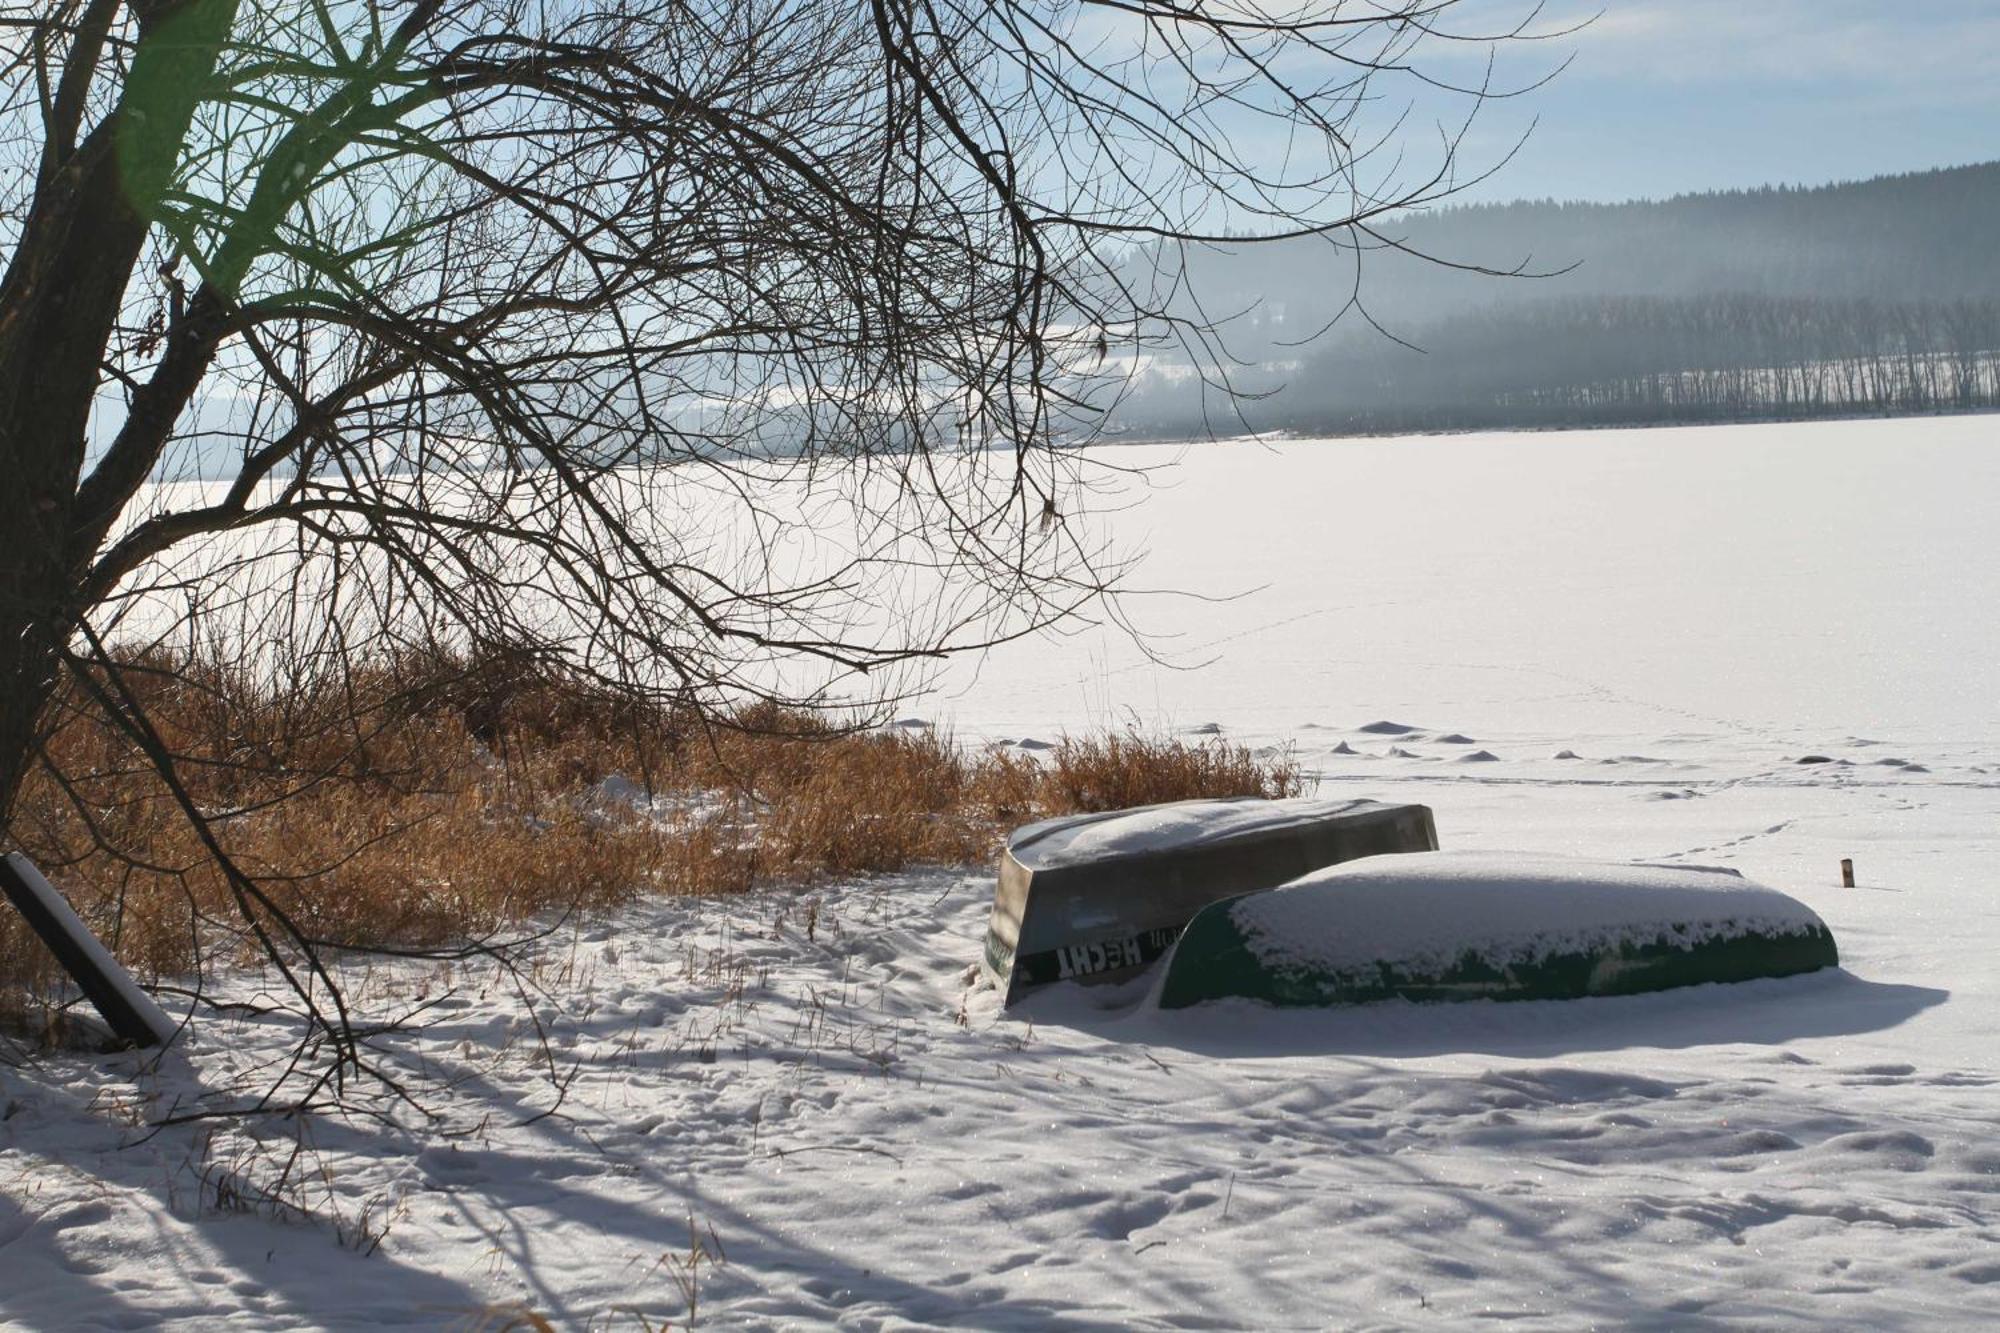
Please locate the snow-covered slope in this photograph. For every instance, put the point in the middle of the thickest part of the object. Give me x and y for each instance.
(803, 1116)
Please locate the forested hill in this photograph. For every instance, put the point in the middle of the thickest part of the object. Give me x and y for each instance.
(1806, 272)
(1923, 236)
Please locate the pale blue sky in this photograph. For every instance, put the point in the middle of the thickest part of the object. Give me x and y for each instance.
(1667, 96)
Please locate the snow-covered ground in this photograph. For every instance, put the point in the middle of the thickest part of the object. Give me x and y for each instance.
(1761, 647)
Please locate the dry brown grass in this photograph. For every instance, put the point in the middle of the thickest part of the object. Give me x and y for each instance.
(431, 800)
(1116, 771)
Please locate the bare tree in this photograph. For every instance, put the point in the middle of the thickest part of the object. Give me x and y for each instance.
(703, 344)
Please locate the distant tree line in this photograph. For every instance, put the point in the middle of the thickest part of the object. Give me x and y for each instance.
(1618, 361)
(1872, 296)
(1648, 359)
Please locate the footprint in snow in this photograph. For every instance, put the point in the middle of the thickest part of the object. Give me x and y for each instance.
(1980, 1272)
(453, 1164)
(1387, 728)
(1896, 1149)
(1888, 1071)
(1478, 757)
(1453, 738)
(1206, 729)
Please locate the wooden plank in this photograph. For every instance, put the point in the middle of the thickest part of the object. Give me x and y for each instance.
(129, 1010)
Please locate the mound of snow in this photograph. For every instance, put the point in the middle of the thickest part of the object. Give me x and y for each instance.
(619, 790)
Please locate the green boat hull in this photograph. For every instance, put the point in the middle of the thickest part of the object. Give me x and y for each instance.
(1214, 961)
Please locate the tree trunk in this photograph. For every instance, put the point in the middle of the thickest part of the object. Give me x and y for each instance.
(59, 305)
(28, 673)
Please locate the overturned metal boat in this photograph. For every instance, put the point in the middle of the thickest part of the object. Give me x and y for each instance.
(1096, 898)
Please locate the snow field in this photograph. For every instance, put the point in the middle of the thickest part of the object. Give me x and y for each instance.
(798, 1111)
(848, 1151)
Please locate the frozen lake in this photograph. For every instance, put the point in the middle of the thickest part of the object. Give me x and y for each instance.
(1794, 584)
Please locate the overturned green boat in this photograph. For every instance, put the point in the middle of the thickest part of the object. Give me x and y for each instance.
(1491, 926)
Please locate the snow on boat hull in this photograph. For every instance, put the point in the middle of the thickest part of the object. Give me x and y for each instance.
(1097, 898)
(1491, 927)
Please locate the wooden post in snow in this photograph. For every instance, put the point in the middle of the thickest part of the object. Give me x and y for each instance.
(1846, 872)
(129, 1010)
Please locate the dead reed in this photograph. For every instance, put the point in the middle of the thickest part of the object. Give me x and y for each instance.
(434, 799)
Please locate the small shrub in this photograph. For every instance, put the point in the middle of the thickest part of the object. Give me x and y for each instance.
(1116, 771)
